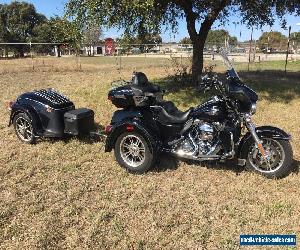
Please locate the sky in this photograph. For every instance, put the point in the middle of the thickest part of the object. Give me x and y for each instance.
(56, 7)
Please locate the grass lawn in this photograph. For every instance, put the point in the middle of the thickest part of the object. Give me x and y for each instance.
(70, 194)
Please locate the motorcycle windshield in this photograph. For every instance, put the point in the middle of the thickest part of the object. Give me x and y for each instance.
(230, 69)
(235, 88)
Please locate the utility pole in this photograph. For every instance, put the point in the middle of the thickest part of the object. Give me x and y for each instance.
(254, 52)
(287, 49)
(250, 49)
(296, 50)
(268, 45)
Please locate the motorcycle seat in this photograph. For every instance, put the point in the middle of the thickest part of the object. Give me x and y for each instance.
(174, 117)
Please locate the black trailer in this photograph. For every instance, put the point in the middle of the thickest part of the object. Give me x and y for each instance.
(49, 114)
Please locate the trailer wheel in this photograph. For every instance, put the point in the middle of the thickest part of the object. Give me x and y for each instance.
(24, 128)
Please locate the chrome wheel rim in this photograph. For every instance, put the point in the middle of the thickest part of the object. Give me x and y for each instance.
(24, 129)
(132, 150)
(275, 154)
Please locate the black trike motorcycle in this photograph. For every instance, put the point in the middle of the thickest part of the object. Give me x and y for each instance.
(146, 125)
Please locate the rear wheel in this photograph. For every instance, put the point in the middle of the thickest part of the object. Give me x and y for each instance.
(280, 157)
(24, 128)
(133, 152)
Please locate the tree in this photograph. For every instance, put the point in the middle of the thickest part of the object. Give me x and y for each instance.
(272, 40)
(219, 37)
(295, 36)
(56, 30)
(3, 29)
(148, 38)
(125, 42)
(18, 21)
(91, 36)
(43, 33)
(185, 40)
(214, 37)
(167, 13)
(141, 39)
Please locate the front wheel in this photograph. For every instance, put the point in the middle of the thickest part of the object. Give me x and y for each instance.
(280, 157)
(133, 153)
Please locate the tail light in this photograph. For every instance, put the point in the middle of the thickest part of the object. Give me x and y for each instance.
(110, 97)
(108, 128)
(129, 128)
(9, 105)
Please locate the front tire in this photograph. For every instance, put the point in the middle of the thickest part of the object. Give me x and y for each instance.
(133, 152)
(280, 161)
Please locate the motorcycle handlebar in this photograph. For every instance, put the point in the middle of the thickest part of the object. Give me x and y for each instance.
(208, 82)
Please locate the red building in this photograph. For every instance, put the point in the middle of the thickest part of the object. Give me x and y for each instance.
(109, 46)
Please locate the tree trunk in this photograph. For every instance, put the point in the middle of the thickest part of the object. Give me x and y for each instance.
(5, 51)
(58, 51)
(21, 51)
(198, 38)
(197, 63)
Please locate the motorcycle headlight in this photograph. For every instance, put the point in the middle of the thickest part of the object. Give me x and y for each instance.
(253, 108)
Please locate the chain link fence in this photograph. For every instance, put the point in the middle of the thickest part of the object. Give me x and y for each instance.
(177, 58)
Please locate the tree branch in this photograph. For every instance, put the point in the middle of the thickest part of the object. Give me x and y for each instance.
(190, 17)
(211, 17)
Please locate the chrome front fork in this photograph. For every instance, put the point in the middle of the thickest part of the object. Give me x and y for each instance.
(251, 127)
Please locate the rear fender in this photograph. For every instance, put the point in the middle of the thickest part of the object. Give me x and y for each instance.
(121, 115)
(135, 126)
(30, 111)
(262, 132)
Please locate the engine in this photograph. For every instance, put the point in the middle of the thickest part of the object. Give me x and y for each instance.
(202, 140)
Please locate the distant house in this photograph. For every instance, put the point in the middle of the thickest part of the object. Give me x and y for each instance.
(97, 50)
(101, 48)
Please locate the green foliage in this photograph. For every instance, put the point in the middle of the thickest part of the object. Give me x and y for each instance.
(135, 16)
(65, 31)
(92, 34)
(214, 37)
(20, 23)
(56, 30)
(21, 18)
(218, 37)
(152, 14)
(295, 36)
(43, 33)
(17, 22)
(139, 40)
(186, 40)
(3, 24)
(272, 40)
(148, 38)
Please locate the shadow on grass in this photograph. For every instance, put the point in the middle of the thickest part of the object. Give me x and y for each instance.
(97, 135)
(271, 85)
(165, 162)
(296, 166)
(274, 85)
(231, 165)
